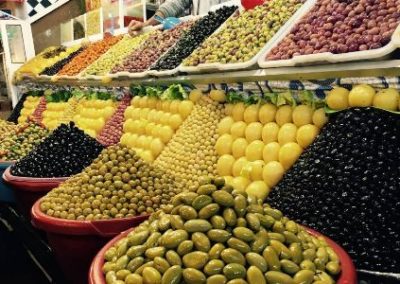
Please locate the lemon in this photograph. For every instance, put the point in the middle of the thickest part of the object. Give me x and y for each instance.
(319, 118)
(225, 164)
(224, 144)
(302, 115)
(251, 114)
(239, 146)
(270, 132)
(287, 133)
(361, 96)
(224, 126)
(283, 115)
(238, 166)
(267, 113)
(238, 111)
(253, 131)
(271, 152)
(254, 151)
(258, 189)
(306, 135)
(240, 183)
(238, 129)
(338, 98)
(272, 173)
(387, 99)
(289, 153)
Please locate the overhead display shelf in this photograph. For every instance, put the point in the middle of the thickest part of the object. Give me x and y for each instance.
(340, 70)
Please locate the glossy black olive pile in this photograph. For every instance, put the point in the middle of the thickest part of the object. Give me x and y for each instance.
(202, 29)
(347, 186)
(54, 69)
(16, 112)
(67, 151)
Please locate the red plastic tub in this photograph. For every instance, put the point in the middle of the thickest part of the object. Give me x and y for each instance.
(75, 243)
(28, 190)
(348, 275)
(250, 4)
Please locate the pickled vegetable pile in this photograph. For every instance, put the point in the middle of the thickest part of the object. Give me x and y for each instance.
(151, 50)
(67, 151)
(243, 36)
(339, 27)
(151, 123)
(191, 153)
(202, 29)
(22, 142)
(54, 69)
(346, 185)
(217, 235)
(258, 143)
(117, 184)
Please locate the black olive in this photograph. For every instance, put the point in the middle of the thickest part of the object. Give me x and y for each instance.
(67, 151)
(200, 31)
(346, 185)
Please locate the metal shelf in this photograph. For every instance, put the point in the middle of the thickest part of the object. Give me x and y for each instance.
(342, 70)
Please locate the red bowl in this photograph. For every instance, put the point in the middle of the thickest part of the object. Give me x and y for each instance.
(75, 243)
(250, 4)
(28, 190)
(347, 276)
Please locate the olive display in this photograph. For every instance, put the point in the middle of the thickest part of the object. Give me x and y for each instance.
(117, 184)
(19, 144)
(112, 131)
(7, 128)
(346, 185)
(54, 69)
(202, 29)
(244, 35)
(339, 26)
(67, 151)
(191, 152)
(115, 55)
(16, 112)
(151, 50)
(217, 235)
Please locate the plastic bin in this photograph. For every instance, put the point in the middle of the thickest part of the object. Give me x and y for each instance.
(28, 190)
(250, 4)
(348, 275)
(6, 192)
(75, 243)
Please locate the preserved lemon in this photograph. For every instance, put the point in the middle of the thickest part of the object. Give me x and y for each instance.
(238, 111)
(302, 115)
(253, 131)
(238, 129)
(239, 147)
(251, 114)
(271, 152)
(254, 151)
(224, 126)
(287, 133)
(289, 153)
(319, 118)
(224, 144)
(270, 132)
(283, 115)
(272, 173)
(306, 135)
(225, 164)
(267, 113)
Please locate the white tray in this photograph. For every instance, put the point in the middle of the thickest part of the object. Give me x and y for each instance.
(128, 74)
(253, 61)
(326, 57)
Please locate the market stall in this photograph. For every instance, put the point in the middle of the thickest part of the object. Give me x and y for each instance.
(210, 152)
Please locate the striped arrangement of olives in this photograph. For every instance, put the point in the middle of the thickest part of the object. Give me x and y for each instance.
(217, 235)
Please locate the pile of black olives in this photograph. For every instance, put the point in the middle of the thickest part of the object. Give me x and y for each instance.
(54, 69)
(67, 151)
(16, 112)
(202, 29)
(346, 185)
